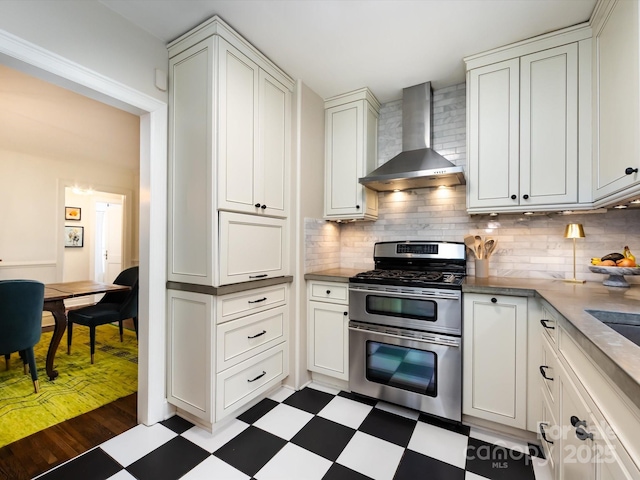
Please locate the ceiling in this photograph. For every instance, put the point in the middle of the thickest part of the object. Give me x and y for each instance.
(43, 120)
(335, 46)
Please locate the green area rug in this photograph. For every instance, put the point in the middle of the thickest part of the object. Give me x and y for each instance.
(80, 387)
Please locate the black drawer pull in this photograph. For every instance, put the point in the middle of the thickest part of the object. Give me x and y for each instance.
(258, 301)
(259, 376)
(328, 292)
(543, 372)
(263, 207)
(345, 313)
(629, 170)
(258, 334)
(544, 324)
(257, 205)
(259, 276)
(494, 300)
(542, 432)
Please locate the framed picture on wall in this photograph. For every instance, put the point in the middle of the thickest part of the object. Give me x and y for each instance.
(72, 213)
(73, 236)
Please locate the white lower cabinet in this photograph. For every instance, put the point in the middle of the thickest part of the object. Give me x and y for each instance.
(495, 358)
(190, 354)
(328, 329)
(225, 351)
(589, 430)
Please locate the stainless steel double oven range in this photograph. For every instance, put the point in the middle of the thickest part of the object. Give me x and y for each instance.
(405, 343)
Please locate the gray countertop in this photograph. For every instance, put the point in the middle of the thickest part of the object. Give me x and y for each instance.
(333, 275)
(231, 288)
(618, 357)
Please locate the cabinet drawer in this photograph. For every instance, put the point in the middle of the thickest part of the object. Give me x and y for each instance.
(251, 301)
(329, 292)
(243, 382)
(548, 371)
(549, 323)
(240, 339)
(547, 430)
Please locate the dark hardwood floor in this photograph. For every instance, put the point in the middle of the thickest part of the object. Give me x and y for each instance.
(37, 453)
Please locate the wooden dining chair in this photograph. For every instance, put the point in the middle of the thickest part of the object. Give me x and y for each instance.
(113, 307)
(21, 303)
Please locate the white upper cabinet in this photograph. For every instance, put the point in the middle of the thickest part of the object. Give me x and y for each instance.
(254, 136)
(529, 125)
(351, 152)
(229, 146)
(616, 101)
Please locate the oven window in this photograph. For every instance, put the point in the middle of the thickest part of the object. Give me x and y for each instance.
(406, 368)
(417, 308)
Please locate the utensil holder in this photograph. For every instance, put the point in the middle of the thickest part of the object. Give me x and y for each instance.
(482, 267)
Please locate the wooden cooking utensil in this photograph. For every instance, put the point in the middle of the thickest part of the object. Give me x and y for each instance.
(487, 247)
(478, 246)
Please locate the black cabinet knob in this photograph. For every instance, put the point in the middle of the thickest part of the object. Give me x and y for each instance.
(494, 300)
(264, 207)
(345, 313)
(257, 205)
(328, 292)
(629, 170)
(357, 207)
(525, 197)
(513, 197)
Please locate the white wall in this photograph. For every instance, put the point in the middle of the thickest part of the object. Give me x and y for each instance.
(32, 213)
(89, 34)
(309, 154)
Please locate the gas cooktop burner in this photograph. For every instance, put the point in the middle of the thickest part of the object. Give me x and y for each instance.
(417, 264)
(407, 277)
(402, 275)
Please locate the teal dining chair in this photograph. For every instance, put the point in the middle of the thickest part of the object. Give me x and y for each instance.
(113, 307)
(21, 303)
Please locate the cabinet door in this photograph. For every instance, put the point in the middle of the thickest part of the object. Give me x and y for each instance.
(189, 371)
(272, 168)
(344, 151)
(549, 126)
(617, 109)
(495, 358)
(237, 133)
(328, 339)
(251, 247)
(191, 165)
(493, 103)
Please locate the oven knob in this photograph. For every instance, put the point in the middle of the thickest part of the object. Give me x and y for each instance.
(494, 300)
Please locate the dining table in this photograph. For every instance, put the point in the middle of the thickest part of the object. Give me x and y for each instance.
(54, 296)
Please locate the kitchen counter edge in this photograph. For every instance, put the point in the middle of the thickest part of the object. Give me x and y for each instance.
(340, 275)
(229, 288)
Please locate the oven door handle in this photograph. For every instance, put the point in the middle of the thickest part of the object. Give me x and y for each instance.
(453, 344)
(383, 293)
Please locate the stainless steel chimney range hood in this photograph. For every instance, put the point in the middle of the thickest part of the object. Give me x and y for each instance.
(417, 166)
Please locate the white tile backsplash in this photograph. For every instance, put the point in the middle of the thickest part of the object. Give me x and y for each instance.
(528, 246)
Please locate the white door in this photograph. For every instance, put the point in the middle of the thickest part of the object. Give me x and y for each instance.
(108, 241)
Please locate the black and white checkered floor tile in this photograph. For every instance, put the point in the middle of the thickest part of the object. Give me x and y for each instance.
(313, 434)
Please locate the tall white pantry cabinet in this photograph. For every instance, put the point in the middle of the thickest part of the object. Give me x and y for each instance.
(229, 164)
